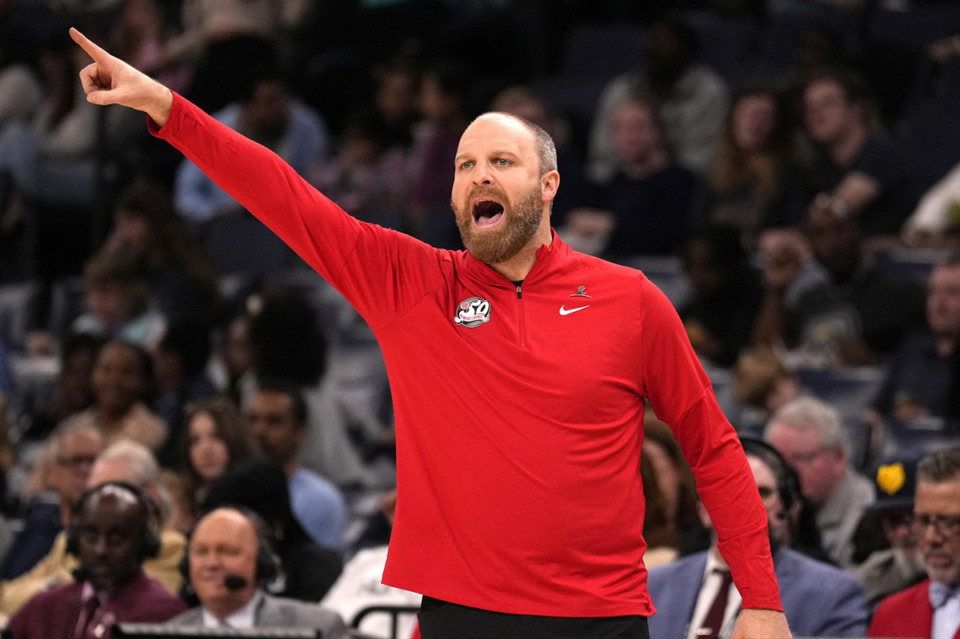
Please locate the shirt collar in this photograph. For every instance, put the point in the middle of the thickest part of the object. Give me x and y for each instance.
(546, 254)
(244, 618)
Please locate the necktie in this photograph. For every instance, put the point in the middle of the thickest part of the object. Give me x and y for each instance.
(713, 622)
(940, 593)
(85, 620)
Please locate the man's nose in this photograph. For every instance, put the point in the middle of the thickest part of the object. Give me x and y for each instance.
(482, 174)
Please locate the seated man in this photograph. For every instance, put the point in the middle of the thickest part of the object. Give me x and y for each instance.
(229, 561)
(695, 597)
(810, 436)
(113, 531)
(278, 420)
(125, 461)
(932, 607)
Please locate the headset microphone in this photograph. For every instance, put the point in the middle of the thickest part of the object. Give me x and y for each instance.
(235, 582)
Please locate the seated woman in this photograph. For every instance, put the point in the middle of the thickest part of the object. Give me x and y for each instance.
(122, 381)
(215, 439)
(757, 180)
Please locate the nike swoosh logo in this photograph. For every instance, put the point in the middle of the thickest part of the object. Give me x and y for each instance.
(567, 311)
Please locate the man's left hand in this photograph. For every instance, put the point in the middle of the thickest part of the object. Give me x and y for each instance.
(755, 623)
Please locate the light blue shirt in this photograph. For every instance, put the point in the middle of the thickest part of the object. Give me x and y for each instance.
(319, 507)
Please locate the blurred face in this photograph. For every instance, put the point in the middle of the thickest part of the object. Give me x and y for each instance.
(834, 242)
(134, 232)
(208, 453)
(896, 528)
(940, 542)
(223, 543)
(110, 529)
(435, 103)
(396, 95)
(110, 302)
(827, 113)
(754, 120)
(274, 426)
(943, 301)
(820, 469)
(118, 380)
(78, 450)
(268, 109)
(237, 348)
(74, 384)
(498, 193)
(635, 134)
(779, 527)
(701, 267)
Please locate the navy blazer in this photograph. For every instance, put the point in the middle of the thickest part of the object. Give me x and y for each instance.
(818, 599)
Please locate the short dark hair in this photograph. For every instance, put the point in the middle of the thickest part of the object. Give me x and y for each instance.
(292, 391)
(940, 465)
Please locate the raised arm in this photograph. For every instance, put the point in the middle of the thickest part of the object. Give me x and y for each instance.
(109, 80)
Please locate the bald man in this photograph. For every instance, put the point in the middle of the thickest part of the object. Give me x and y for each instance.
(230, 561)
(519, 371)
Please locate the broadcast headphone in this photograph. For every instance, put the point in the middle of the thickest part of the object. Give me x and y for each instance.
(150, 543)
(268, 563)
(788, 483)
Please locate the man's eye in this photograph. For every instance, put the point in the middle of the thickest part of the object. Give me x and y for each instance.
(501, 162)
(466, 165)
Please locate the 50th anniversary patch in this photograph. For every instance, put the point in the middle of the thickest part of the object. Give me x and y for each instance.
(472, 312)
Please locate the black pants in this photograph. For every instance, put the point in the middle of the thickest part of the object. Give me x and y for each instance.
(442, 620)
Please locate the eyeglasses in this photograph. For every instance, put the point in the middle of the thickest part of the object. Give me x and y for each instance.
(76, 461)
(945, 526)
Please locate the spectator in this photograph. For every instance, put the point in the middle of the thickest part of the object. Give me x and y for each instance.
(65, 465)
(761, 385)
(307, 569)
(230, 562)
(119, 301)
(73, 391)
(758, 181)
(122, 380)
(289, 346)
(231, 367)
(809, 434)
(142, 32)
(897, 565)
(214, 440)
(645, 208)
(113, 532)
(922, 380)
(725, 297)
(147, 230)
(819, 600)
(368, 175)
(268, 113)
(932, 607)
(694, 98)
(847, 320)
(125, 462)
(859, 171)
(278, 419)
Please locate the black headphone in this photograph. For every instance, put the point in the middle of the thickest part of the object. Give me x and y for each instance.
(788, 482)
(268, 562)
(150, 542)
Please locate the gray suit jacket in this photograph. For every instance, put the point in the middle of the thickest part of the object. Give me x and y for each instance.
(277, 612)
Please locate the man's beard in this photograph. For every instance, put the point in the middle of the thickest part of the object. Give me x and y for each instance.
(518, 226)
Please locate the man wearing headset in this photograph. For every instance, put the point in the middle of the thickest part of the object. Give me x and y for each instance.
(229, 560)
(112, 533)
(695, 597)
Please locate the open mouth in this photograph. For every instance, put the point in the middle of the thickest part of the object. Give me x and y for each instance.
(487, 213)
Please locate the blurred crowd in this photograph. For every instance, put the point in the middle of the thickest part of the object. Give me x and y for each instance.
(788, 172)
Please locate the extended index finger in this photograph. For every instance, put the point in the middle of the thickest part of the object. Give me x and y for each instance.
(87, 45)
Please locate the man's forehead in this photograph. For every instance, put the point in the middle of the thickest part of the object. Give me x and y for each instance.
(938, 497)
(497, 129)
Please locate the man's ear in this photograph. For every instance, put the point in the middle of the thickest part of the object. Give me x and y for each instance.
(549, 183)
